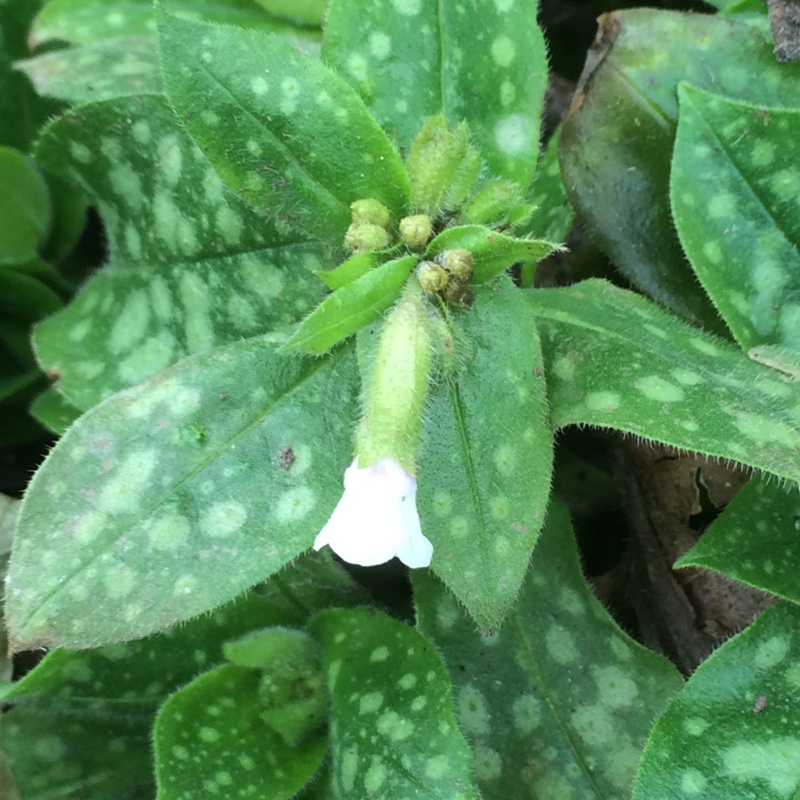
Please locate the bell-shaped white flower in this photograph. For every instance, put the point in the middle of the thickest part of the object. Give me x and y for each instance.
(377, 518)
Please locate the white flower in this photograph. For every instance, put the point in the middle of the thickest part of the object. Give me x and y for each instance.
(377, 519)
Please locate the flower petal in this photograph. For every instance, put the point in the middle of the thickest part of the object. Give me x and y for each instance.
(376, 518)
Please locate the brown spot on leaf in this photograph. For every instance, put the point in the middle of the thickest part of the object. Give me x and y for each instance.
(286, 457)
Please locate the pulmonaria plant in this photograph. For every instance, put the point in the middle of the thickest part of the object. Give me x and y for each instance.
(309, 277)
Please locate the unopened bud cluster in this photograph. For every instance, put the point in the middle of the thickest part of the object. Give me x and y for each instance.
(369, 230)
(449, 274)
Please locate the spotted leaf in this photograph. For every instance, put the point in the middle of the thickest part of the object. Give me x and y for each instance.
(191, 265)
(97, 71)
(732, 732)
(91, 21)
(755, 540)
(352, 306)
(734, 188)
(216, 722)
(411, 59)
(558, 679)
(393, 729)
(486, 455)
(617, 142)
(616, 360)
(79, 754)
(83, 719)
(173, 497)
(278, 126)
(141, 674)
(492, 252)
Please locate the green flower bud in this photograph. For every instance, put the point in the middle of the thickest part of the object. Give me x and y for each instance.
(365, 237)
(458, 264)
(466, 177)
(492, 202)
(416, 230)
(435, 156)
(432, 277)
(397, 386)
(370, 211)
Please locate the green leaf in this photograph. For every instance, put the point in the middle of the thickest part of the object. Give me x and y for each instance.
(25, 210)
(313, 582)
(492, 252)
(82, 720)
(91, 21)
(558, 679)
(54, 411)
(734, 189)
(191, 501)
(292, 697)
(348, 271)
(303, 12)
(78, 755)
(351, 307)
(553, 216)
(393, 728)
(69, 220)
(272, 648)
(279, 126)
(413, 59)
(215, 721)
(9, 509)
(22, 112)
(140, 674)
(616, 360)
(486, 454)
(731, 734)
(617, 143)
(98, 70)
(24, 298)
(754, 540)
(192, 265)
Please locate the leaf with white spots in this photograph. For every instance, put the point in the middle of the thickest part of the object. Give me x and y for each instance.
(558, 701)
(733, 732)
(617, 143)
(279, 127)
(351, 307)
(91, 21)
(412, 59)
(616, 360)
(486, 455)
(734, 186)
(755, 539)
(141, 674)
(393, 729)
(82, 720)
(86, 755)
(492, 252)
(97, 71)
(210, 740)
(192, 265)
(172, 497)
